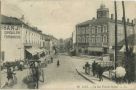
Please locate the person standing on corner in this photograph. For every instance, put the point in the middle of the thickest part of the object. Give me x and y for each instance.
(87, 68)
(93, 68)
(58, 63)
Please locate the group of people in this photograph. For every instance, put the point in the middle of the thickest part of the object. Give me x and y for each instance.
(97, 70)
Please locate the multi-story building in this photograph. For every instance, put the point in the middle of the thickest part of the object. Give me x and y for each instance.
(19, 40)
(46, 43)
(97, 36)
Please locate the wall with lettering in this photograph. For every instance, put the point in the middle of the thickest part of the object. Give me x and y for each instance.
(11, 43)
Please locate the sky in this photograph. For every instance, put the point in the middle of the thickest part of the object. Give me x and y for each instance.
(59, 17)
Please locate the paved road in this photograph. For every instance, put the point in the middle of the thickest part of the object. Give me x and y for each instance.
(64, 76)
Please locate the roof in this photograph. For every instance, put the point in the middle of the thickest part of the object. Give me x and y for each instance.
(10, 20)
(100, 21)
(85, 23)
(16, 21)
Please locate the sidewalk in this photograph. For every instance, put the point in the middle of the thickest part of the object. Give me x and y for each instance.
(86, 56)
(93, 79)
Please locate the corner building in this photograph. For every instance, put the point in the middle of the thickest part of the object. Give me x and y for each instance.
(97, 36)
(19, 41)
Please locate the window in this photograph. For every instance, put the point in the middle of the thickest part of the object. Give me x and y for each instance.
(87, 39)
(93, 39)
(93, 30)
(105, 39)
(96, 29)
(79, 39)
(104, 28)
(98, 39)
(99, 29)
(83, 30)
(83, 39)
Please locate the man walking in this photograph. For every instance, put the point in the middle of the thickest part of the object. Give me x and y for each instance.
(87, 68)
(93, 68)
(100, 72)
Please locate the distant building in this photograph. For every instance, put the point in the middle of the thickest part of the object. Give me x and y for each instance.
(61, 46)
(53, 44)
(19, 41)
(97, 36)
(68, 44)
(46, 43)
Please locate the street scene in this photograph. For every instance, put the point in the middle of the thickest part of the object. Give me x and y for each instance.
(63, 44)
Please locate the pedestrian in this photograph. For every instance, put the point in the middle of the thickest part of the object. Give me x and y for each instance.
(12, 79)
(96, 69)
(93, 68)
(58, 63)
(100, 72)
(9, 73)
(87, 68)
(51, 59)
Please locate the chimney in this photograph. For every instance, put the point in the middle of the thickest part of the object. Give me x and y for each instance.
(93, 18)
(128, 20)
(112, 17)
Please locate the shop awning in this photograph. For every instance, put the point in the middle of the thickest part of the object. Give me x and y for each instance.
(95, 49)
(39, 51)
(34, 51)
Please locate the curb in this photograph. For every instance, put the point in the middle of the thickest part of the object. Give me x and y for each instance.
(84, 77)
(108, 78)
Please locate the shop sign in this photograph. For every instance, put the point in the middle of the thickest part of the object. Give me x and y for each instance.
(11, 31)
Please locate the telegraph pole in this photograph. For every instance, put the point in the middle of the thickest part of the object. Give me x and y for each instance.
(0, 45)
(125, 29)
(116, 41)
(125, 32)
(126, 41)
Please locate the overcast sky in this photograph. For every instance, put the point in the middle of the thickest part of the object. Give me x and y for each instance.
(59, 17)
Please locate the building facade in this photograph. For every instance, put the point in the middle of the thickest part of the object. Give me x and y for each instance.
(18, 39)
(97, 36)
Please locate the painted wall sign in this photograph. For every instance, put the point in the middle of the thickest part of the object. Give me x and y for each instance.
(11, 31)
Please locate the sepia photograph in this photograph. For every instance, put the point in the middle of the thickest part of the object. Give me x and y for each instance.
(68, 44)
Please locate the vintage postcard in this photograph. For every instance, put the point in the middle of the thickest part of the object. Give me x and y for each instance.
(68, 44)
